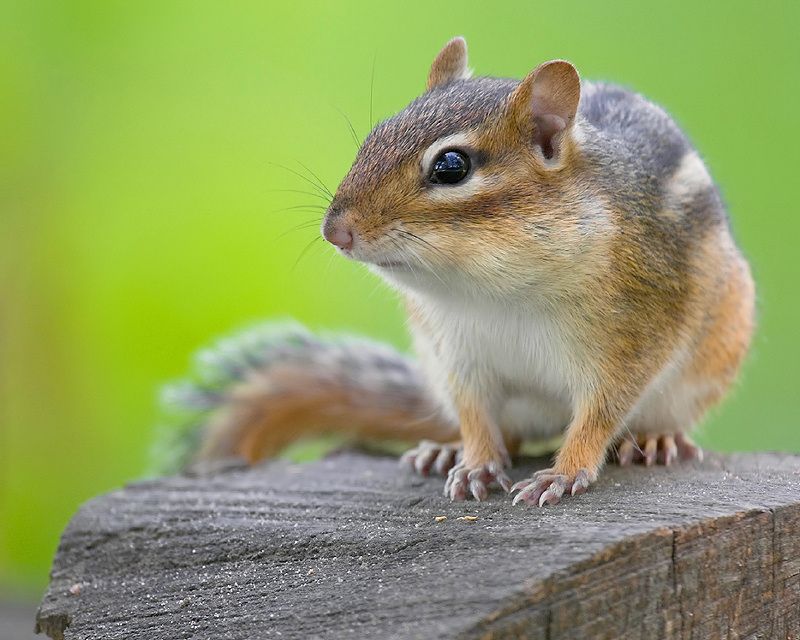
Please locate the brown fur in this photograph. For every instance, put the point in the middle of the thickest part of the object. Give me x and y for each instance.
(579, 278)
(591, 211)
(449, 65)
(287, 402)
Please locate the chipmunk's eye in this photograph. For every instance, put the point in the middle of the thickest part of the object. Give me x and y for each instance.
(450, 167)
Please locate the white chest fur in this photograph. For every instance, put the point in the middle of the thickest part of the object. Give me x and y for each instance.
(514, 358)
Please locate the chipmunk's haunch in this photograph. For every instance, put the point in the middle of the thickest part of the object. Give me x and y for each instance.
(567, 266)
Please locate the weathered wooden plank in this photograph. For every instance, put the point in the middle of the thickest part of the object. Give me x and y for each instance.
(787, 573)
(350, 546)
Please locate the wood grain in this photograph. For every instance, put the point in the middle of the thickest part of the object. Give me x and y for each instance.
(350, 547)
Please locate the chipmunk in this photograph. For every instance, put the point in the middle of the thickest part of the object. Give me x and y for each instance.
(567, 266)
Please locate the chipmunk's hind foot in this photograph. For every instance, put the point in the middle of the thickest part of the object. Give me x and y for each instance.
(657, 448)
(432, 457)
(463, 480)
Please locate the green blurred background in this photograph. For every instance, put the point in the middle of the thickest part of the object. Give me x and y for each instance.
(142, 212)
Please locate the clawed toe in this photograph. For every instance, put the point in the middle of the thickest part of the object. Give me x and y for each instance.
(686, 449)
(655, 448)
(431, 457)
(462, 480)
(547, 487)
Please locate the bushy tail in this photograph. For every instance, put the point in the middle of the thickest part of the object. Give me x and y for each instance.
(252, 394)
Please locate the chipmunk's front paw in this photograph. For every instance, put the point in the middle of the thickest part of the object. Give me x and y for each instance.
(657, 448)
(429, 456)
(462, 478)
(547, 486)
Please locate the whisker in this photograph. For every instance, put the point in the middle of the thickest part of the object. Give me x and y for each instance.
(409, 256)
(371, 89)
(436, 273)
(311, 208)
(316, 177)
(304, 252)
(415, 238)
(633, 440)
(364, 272)
(333, 253)
(352, 130)
(308, 224)
(307, 193)
(422, 241)
(323, 191)
(304, 225)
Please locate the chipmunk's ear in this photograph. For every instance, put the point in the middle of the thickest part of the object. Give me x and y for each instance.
(545, 103)
(450, 64)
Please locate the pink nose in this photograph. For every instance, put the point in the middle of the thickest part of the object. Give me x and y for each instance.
(338, 235)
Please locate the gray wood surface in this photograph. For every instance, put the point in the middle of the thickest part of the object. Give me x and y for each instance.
(350, 547)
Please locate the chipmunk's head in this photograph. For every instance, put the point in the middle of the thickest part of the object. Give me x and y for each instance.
(452, 187)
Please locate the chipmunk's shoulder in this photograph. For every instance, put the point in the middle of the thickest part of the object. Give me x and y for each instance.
(634, 121)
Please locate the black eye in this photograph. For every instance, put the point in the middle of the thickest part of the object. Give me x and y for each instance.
(450, 167)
